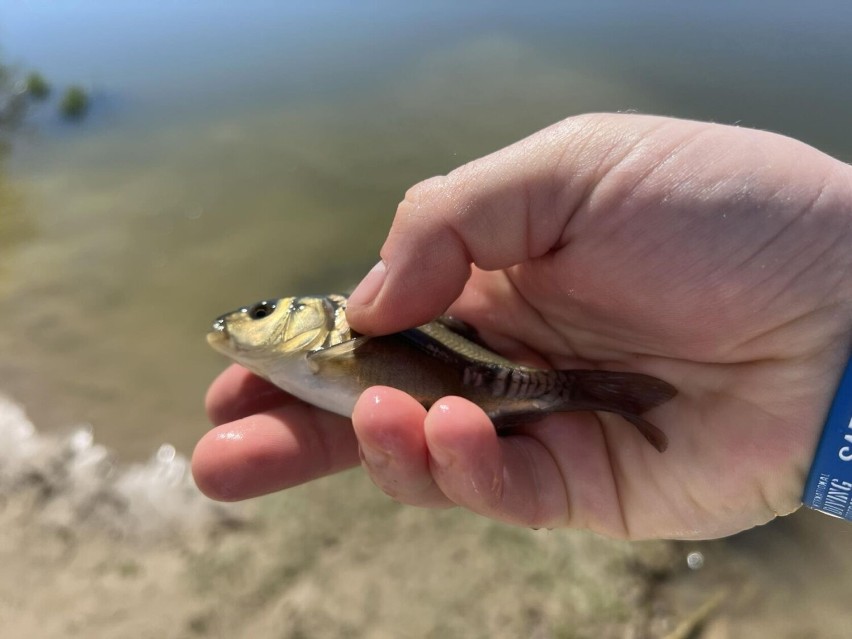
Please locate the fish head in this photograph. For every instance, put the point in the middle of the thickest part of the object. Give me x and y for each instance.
(277, 328)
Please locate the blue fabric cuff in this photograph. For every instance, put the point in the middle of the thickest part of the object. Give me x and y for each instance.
(829, 485)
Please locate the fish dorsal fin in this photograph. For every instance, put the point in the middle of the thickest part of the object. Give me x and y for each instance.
(324, 355)
(480, 366)
(441, 340)
(463, 329)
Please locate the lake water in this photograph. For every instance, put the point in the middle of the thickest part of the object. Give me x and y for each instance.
(238, 151)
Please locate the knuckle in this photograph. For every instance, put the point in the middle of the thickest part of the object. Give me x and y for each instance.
(427, 190)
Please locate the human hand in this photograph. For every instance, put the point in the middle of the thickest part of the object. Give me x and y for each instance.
(711, 257)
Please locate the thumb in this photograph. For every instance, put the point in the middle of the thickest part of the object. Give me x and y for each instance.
(494, 212)
(441, 227)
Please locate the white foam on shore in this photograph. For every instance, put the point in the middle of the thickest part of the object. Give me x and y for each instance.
(71, 481)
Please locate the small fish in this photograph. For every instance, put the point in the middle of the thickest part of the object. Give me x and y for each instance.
(305, 346)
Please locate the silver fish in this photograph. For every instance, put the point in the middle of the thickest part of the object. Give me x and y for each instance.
(304, 345)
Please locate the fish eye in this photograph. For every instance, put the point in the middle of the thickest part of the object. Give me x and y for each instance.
(261, 310)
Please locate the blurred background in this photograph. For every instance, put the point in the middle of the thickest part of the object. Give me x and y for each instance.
(220, 153)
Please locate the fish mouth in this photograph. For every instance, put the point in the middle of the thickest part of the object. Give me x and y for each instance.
(218, 336)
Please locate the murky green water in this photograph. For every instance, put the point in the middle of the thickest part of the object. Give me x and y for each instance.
(240, 151)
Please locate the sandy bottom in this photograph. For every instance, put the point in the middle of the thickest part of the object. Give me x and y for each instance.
(89, 548)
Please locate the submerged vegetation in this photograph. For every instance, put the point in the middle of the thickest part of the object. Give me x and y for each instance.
(16, 95)
(75, 103)
(36, 86)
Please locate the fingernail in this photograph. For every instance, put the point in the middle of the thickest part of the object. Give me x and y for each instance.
(374, 458)
(369, 287)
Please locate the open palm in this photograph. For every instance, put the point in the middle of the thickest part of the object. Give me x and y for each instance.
(711, 257)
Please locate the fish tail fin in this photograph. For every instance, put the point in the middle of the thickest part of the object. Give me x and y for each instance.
(627, 394)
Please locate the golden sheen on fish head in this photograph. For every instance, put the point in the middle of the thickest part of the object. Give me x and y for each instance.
(274, 327)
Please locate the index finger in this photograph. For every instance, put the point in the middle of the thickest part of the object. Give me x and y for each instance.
(271, 451)
(266, 440)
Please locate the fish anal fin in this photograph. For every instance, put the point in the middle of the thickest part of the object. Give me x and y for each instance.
(507, 421)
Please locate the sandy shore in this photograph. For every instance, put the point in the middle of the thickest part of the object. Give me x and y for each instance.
(91, 548)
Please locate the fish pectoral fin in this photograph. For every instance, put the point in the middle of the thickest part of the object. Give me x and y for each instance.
(317, 358)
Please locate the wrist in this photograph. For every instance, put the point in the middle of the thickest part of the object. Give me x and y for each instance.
(828, 487)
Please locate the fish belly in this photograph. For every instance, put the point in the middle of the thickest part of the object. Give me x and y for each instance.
(297, 378)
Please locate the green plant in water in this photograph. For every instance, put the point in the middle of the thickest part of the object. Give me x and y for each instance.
(36, 86)
(74, 103)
